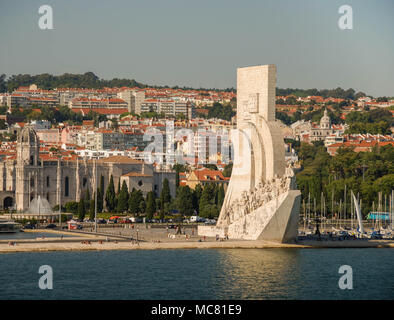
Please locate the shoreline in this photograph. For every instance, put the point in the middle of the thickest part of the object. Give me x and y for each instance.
(89, 242)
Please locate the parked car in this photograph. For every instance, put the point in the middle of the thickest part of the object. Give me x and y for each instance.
(29, 226)
(50, 226)
(210, 221)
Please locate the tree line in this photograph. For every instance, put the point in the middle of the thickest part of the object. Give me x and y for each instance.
(90, 80)
(205, 201)
(47, 81)
(366, 173)
(338, 93)
(311, 114)
(377, 121)
(220, 111)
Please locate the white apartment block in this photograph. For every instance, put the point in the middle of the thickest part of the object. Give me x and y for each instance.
(110, 140)
(168, 107)
(93, 103)
(133, 98)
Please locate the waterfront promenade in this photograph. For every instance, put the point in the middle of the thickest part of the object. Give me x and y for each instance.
(85, 241)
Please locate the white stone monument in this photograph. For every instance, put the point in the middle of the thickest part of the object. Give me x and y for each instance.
(261, 202)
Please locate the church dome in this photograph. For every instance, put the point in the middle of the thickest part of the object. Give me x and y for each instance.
(325, 121)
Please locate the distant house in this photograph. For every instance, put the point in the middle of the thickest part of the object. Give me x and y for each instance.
(204, 176)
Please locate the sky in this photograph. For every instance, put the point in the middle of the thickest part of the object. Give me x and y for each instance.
(202, 43)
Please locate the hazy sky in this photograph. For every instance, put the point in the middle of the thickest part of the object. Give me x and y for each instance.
(201, 43)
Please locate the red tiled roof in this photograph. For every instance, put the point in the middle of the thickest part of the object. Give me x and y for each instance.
(209, 175)
(106, 111)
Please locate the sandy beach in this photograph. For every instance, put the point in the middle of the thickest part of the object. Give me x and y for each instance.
(79, 242)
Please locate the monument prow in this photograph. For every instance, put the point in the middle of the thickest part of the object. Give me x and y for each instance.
(261, 202)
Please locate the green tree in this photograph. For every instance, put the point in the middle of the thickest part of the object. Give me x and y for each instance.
(227, 170)
(91, 208)
(184, 201)
(81, 209)
(71, 207)
(123, 198)
(110, 195)
(207, 205)
(178, 168)
(197, 196)
(135, 199)
(150, 205)
(165, 196)
(87, 200)
(142, 206)
(220, 111)
(100, 195)
(221, 195)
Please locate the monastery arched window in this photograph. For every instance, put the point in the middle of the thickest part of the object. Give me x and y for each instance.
(32, 182)
(47, 181)
(31, 160)
(66, 187)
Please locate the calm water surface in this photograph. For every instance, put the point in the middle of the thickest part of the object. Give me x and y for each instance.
(200, 274)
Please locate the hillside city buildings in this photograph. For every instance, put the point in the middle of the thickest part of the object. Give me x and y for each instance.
(115, 101)
(60, 161)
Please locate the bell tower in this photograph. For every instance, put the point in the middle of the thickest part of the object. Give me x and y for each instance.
(27, 168)
(28, 147)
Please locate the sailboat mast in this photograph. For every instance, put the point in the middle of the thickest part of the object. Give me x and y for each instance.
(303, 204)
(340, 212)
(351, 210)
(344, 207)
(392, 209)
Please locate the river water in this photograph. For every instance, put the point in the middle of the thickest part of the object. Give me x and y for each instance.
(200, 274)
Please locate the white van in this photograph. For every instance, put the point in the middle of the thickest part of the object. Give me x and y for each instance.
(196, 219)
